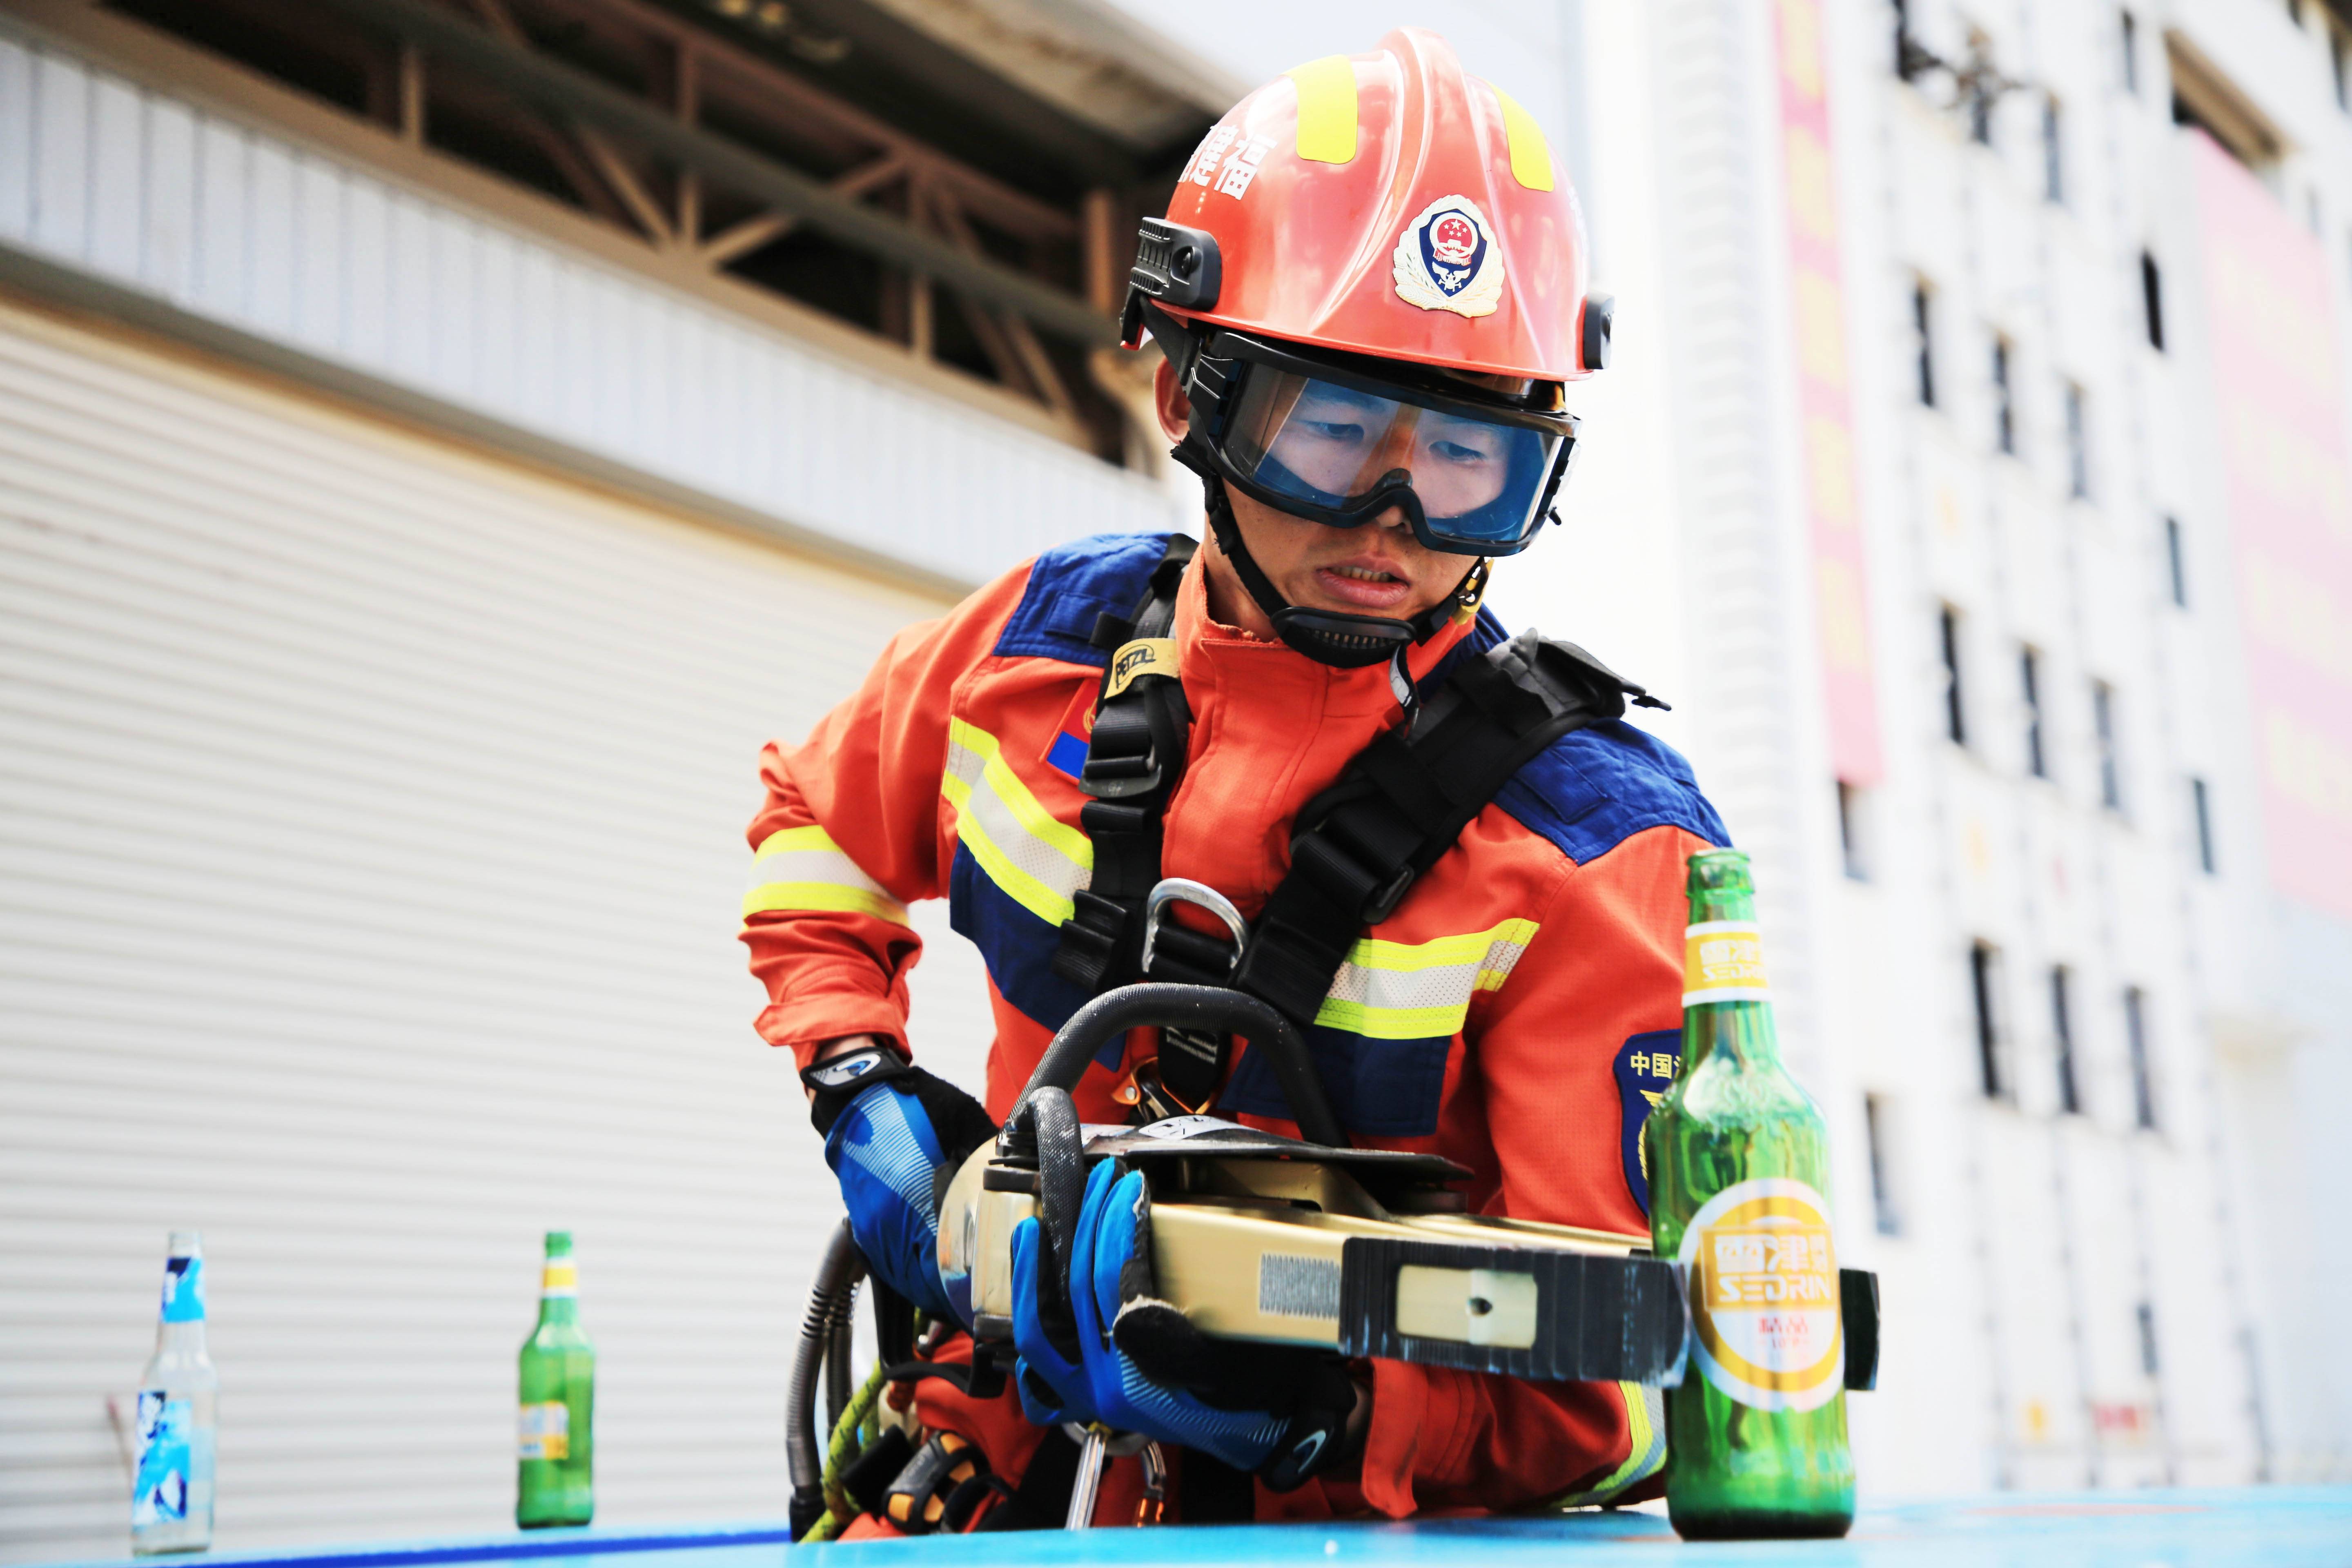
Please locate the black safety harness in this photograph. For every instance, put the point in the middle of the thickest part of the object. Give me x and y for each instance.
(1356, 849)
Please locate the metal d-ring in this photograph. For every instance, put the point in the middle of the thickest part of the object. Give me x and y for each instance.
(1184, 889)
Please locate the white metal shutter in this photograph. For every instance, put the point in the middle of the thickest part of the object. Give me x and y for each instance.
(371, 822)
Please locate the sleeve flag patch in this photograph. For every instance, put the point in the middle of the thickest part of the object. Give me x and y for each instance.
(1645, 1066)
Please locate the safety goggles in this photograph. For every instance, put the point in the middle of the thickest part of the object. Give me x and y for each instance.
(1323, 441)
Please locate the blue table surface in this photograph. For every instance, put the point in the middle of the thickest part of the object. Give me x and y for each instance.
(2274, 1527)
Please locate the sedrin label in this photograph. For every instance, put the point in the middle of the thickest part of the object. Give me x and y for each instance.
(544, 1431)
(1723, 961)
(1764, 1295)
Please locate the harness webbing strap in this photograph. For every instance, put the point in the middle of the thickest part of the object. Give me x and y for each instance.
(1357, 847)
(1134, 759)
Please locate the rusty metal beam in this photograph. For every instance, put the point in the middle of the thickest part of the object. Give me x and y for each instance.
(560, 89)
(759, 88)
(557, 143)
(766, 228)
(1003, 337)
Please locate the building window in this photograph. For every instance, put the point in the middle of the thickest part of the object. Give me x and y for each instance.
(2053, 152)
(1947, 633)
(1923, 331)
(2004, 398)
(1879, 1122)
(2143, 1074)
(2078, 445)
(2129, 39)
(1981, 83)
(2200, 804)
(1984, 982)
(2061, 1040)
(2339, 51)
(2102, 724)
(2029, 680)
(1854, 831)
(2147, 1357)
(2176, 562)
(2151, 295)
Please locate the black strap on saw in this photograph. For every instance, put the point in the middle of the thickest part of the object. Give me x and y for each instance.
(1134, 759)
(1356, 849)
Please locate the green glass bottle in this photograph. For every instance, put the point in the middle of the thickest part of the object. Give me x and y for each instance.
(1738, 1164)
(556, 1450)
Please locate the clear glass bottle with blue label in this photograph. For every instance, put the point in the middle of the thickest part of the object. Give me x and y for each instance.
(172, 1494)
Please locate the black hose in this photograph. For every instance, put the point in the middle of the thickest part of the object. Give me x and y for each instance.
(840, 1376)
(837, 1275)
(1207, 1007)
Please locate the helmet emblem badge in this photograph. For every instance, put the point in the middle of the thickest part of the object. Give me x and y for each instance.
(1447, 259)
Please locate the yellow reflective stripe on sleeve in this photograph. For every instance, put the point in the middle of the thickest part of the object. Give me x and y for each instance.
(1327, 110)
(1037, 859)
(1420, 991)
(803, 869)
(785, 838)
(1530, 154)
(1646, 1421)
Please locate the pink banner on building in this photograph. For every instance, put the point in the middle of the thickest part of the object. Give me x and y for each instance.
(1824, 396)
(2278, 385)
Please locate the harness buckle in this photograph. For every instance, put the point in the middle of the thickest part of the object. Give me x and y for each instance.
(1384, 903)
(1184, 890)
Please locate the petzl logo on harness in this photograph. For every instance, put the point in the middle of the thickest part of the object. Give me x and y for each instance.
(1144, 655)
(1447, 259)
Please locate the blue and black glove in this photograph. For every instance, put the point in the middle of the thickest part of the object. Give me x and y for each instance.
(895, 1136)
(1098, 1343)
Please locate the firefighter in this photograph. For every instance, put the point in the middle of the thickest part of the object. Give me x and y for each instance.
(1370, 291)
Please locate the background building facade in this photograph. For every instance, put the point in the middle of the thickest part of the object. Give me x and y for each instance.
(428, 479)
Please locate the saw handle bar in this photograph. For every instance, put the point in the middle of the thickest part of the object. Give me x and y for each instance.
(1045, 1127)
(1203, 1007)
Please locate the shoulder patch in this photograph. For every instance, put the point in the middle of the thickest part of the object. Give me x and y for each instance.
(1646, 1065)
(1069, 585)
(1595, 789)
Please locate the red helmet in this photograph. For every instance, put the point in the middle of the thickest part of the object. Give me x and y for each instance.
(1388, 205)
(1346, 243)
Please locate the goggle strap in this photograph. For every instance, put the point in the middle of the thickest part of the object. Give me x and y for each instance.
(1419, 629)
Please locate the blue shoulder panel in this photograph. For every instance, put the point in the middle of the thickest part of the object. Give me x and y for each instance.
(1073, 583)
(1597, 787)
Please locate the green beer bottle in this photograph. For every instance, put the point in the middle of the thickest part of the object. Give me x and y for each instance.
(557, 1448)
(1755, 1433)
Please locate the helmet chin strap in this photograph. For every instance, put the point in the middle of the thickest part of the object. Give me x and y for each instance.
(1332, 638)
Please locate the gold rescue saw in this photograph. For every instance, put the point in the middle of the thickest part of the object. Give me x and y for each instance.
(1307, 1241)
(1293, 1241)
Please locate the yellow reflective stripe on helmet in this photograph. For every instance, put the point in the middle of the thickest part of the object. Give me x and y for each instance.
(803, 869)
(1420, 991)
(1645, 1423)
(1530, 154)
(1037, 859)
(1327, 110)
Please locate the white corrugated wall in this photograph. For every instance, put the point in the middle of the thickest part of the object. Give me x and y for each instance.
(370, 824)
(250, 228)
